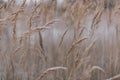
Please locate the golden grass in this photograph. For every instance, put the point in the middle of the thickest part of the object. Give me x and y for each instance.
(77, 40)
(50, 70)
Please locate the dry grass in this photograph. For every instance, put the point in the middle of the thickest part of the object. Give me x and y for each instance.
(50, 70)
(77, 40)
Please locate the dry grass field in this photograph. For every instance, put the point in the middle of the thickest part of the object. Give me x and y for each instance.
(74, 40)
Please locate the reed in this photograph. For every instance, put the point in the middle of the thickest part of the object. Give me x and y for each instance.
(70, 40)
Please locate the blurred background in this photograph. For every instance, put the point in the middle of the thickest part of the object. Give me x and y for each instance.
(81, 37)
